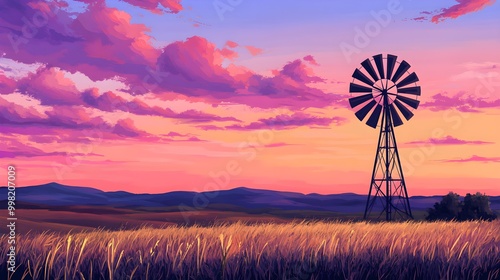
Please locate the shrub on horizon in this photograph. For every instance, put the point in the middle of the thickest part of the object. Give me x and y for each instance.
(473, 207)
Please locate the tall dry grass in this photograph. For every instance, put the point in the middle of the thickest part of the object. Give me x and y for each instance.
(316, 250)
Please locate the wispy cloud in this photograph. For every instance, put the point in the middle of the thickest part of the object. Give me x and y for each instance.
(474, 158)
(158, 6)
(462, 7)
(460, 101)
(254, 50)
(13, 148)
(448, 140)
(290, 121)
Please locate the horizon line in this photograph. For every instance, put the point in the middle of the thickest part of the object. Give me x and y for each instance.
(233, 188)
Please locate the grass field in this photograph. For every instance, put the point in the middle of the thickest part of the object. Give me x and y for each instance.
(307, 250)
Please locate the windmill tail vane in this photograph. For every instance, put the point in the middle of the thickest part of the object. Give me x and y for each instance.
(384, 94)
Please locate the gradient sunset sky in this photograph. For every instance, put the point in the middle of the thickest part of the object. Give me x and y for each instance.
(156, 96)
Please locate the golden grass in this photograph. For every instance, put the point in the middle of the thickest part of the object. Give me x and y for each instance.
(307, 250)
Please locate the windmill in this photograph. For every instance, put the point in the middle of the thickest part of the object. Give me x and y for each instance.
(384, 95)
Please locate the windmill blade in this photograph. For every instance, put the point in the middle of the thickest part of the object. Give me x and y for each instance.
(357, 88)
(391, 62)
(410, 102)
(361, 114)
(373, 120)
(403, 67)
(410, 90)
(380, 65)
(362, 77)
(369, 68)
(406, 113)
(355, 101)
(412, 78)
(396, 119)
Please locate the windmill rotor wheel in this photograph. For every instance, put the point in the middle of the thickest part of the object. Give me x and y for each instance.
(379, 85)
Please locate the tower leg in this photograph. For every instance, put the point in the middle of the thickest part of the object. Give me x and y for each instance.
(387, 194)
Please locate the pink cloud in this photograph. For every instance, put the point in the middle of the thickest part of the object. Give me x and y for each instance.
(229, 54)
(195, 69)
(172, 6)
(127, 128)
(7, 85)
(422, 18)
(51, 87)
(25, 151)
(288, 88)
(175, 134)
(71, 119)
(460, 102)
(13, 148)
(278, 144)
(448, 140)
(178, 137)
(110, 102)
(311, 60)
(462, 7)
(56, 136)
(289, 121)
(12, 113)
(475, 158)
(299, 72)
(100, 42)
(231, 44)
(253, 50)
(197, 64)
(209, 127)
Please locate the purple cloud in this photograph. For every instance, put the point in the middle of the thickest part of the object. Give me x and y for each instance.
(475, 158)
(311, 60)
(18, 119)
(448, 140)
(13, 149)
(179, 137)
(51, 87)
(7, 85)
(194, 68)
(462, 7)
(127, 128)
(209, 127)
(155, 6)
(289, 121)
(110, 102)
(460, 102)
(278, 144)
(100, 42)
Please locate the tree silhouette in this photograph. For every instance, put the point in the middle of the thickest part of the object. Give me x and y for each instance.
(473, 207)
(476, 207)
(447, 209)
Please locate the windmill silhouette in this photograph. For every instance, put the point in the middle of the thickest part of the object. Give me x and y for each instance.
(384, 95)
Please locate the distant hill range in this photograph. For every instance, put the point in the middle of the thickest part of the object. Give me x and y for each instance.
(54, 194)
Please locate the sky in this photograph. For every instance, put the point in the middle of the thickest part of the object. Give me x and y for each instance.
(158, 96)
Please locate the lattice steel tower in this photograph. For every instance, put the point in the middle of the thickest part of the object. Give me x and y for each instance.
(383, 95)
